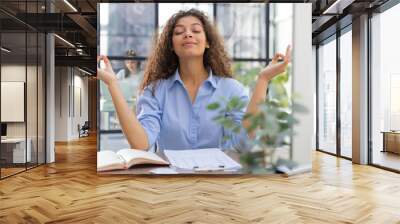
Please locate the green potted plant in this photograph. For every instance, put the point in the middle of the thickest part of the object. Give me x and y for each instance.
(272, 126)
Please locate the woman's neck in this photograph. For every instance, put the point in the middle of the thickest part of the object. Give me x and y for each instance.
(192, 72)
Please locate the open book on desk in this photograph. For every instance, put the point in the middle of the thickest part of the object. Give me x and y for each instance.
(125, 158)
(211, 159)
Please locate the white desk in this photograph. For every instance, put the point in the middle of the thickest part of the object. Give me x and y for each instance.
(19, 149)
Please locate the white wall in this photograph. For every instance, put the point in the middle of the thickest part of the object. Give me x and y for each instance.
(61, 104)
(33, 126)
(70, 84)
(16, 73)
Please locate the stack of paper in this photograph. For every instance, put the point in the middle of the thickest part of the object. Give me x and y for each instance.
(201, 159)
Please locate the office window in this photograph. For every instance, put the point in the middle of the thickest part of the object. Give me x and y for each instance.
(281, 27)
(129, 84)
(327, 97)
(346, 94)
(243, 29)
(281, 34)
(385, 89)
(166, 10)
(122, 31)
(125, 26)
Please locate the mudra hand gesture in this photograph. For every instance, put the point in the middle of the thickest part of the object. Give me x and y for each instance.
(105, 74)
(276, 67)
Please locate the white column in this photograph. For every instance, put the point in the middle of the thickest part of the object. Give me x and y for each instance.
(50, 100)
(303, 84)
(360, 90)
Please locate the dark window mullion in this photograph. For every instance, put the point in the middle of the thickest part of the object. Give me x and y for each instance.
(26, 86)
(0, 97)
(369, 89)
(338, 98)
(37, 90)
(317, 95)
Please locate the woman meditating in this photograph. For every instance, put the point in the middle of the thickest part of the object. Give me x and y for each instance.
(187, 70)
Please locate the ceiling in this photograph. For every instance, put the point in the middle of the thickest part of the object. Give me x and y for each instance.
(332, 15)
(76, 22)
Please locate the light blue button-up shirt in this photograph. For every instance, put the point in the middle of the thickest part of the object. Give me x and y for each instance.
(171, 119)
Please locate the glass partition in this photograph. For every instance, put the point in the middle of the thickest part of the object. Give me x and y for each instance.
(327, 97)
(14, 153)
(385, 89)
(346, 94)
(22, 90)
(31, 98)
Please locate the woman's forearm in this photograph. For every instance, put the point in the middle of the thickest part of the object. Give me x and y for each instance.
(131, 127)
(260, 92)
(259, 96)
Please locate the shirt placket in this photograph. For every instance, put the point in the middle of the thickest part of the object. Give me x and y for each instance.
(195, 118)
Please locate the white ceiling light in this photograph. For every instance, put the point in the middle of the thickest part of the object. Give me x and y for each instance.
(65, 41)
(5, 50)
(337, 7)
(86, 72)
(70, 5)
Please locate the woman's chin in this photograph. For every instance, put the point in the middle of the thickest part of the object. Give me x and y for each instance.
(191, 54)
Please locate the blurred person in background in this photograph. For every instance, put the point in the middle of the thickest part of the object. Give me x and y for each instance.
(130, 78)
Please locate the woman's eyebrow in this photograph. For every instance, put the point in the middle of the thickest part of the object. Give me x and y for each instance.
(193, 24)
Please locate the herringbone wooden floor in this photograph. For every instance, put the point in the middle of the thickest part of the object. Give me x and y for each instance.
(70, 191)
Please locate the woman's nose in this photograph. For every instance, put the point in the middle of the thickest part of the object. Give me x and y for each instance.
(188, 34)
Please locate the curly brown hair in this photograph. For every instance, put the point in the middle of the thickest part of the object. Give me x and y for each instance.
(163, 61)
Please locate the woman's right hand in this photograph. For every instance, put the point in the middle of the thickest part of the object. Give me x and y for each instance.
(105, 74)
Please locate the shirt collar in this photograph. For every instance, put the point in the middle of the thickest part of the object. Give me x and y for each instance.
(177, 78)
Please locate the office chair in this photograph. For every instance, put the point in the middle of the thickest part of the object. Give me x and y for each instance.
(84, 130)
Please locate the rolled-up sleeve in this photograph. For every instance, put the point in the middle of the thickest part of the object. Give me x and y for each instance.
(239, 141)
(149, 115)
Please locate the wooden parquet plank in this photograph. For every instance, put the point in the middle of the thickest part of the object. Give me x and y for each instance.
(70, 191)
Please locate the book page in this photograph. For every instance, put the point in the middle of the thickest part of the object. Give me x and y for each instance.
(134, 156)
(109, 160)
(201, 159)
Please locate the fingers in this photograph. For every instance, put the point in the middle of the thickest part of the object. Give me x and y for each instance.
(104, 59)
(288, 55)
(288, 49)
(277, 56)
(99, 58)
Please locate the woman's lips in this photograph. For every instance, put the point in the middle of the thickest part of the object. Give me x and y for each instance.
(189, 44)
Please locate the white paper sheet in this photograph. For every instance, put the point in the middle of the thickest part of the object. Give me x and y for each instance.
(163, 171)
(201, 159)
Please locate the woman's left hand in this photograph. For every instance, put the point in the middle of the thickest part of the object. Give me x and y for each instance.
(276, 67)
